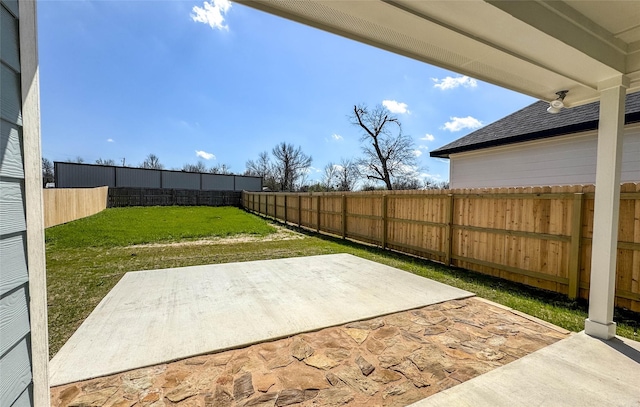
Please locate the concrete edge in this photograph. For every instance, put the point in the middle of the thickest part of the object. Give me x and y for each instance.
(527, 316)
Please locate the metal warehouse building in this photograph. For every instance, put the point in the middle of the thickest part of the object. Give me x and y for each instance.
(72, 175)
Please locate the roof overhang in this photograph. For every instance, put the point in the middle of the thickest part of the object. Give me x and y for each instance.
(533, 47)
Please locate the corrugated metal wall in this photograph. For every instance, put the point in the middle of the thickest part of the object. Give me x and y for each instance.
(73, 175)
(181, 180)
(15, 332)
(138, 178)
(70, 175)
(248, 184)
(214, 182)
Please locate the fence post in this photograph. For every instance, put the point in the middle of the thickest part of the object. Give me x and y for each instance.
(275, 206)
(259, 203)
(384, 221)
(344, 216)
(299, 210)
(285, 209)
(318, 213)
(576, 240)
(449, 232)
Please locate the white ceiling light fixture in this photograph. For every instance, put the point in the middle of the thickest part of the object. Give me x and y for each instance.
(556, 105)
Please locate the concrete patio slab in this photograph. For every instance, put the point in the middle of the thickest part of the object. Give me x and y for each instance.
(157, 316)
(577, 371)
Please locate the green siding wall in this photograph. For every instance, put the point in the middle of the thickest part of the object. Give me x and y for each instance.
(15, 339)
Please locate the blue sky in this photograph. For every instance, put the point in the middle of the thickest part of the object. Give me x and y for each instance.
(220, 82)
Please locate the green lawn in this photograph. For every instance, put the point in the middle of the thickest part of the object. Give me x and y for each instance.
(139, 225)
(82, 270)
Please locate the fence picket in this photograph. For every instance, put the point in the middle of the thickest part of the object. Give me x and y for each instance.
(537, 236)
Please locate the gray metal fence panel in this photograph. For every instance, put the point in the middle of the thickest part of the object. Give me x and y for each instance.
(74, 175)
(248, 184)
(217, 182)
(71, 175)
(138, 178)
(181, 180)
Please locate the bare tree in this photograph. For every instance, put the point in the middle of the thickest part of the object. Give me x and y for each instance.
(347, 175)
(388, 153)
(77, 160)
(431, 184)
(262, 167)
(199, 167)
(47, 172)
(290, 165)
(408, 181)
(152, 162)
(329, 177)
(223, 169)
(105, 161)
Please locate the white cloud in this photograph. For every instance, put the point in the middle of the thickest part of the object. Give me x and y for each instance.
(459, 123)
(428, 137)
(205, 155)
(452, 83)
(417, 153)
(423, 147)
(212, 13)
(336, 137)
(110, 140)
(395, 106)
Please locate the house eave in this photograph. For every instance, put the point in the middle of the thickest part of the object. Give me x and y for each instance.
(539, 135)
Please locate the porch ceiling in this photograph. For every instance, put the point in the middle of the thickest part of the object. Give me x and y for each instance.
(534, 47)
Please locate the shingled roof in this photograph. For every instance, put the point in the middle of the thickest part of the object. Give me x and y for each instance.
(534, 123)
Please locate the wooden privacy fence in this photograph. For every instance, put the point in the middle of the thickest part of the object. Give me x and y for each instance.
(121, 197)
(68, 204)
(537, 236)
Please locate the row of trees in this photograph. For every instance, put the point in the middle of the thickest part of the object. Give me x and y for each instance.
(285, 170)
(388, 159)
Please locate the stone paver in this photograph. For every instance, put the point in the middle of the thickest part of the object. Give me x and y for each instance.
(393, 360)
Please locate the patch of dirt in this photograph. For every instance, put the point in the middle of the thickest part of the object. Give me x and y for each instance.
(281, 233)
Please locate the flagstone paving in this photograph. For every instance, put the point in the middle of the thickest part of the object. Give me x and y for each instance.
(392, 360)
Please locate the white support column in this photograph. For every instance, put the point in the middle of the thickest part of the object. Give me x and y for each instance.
(607, 207)
(33, 203)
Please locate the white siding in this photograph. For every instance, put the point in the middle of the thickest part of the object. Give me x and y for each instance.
(566, 160)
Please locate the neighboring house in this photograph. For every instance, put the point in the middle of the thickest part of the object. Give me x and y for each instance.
(532, 147)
